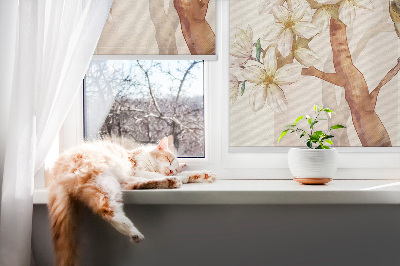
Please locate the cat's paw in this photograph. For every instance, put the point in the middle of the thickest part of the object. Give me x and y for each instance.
(137, 237)
(201, 177)
(174, 182)
(210, 177)
(182, 167)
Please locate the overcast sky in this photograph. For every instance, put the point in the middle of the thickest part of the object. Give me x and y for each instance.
(161, 79)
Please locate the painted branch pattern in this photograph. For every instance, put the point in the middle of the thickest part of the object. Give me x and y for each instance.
(165, 26)
(333, 78)
(287, 40)
(367, 123)
(198, 34)
(389, 76)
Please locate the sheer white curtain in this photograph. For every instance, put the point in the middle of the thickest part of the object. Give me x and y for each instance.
(55, 40)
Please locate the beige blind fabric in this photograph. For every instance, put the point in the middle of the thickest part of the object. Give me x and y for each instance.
(303, 60)
(160, 27)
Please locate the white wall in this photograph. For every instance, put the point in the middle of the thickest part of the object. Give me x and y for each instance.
(232, 235)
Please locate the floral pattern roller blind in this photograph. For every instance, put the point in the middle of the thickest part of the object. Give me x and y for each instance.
(159, 27)
(287, 55)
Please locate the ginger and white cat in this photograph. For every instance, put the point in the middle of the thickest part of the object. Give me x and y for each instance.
(94, 175)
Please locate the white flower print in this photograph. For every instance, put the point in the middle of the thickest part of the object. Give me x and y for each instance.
(288, 24)
(347, 9)
(267, 79)
(303, 54)
(328, 2)
(321, 18)
(242, 47)
(266, 6)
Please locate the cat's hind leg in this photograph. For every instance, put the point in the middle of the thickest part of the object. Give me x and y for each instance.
(103, 195)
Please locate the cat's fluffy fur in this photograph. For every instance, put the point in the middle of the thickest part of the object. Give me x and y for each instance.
(94, 174)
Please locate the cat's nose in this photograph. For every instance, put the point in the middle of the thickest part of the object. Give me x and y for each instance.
(171, 172)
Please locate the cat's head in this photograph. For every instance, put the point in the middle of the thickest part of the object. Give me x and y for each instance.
(164, 160)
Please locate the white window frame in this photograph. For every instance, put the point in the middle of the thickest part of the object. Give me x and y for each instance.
(354, 162)
(72, 131)
(245, 163)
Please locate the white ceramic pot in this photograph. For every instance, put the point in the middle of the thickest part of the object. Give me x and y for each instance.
(312, 166)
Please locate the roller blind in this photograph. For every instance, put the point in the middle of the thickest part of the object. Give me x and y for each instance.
(175, 29)
(287, 55)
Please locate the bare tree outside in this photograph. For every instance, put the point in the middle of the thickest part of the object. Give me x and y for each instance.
(143, 101)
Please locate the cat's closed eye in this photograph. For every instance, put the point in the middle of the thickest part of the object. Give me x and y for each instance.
(165, 158)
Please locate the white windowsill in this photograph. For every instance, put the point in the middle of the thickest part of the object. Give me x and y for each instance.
(264, 192)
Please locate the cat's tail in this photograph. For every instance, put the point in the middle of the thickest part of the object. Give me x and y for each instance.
(62, 212)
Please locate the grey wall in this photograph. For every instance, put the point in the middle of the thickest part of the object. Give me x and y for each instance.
(237, 235)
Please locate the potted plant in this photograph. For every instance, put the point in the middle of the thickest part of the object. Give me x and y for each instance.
(316, 163)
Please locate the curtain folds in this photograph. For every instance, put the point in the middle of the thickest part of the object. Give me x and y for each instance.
(54, 43)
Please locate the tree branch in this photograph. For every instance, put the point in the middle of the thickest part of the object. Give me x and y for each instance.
(333, 78)
(183, 81)
(146, 72)
(365, 119)
(389, 76)
(162, 117)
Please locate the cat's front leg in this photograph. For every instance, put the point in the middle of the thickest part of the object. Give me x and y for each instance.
(147, 174)
(181, 168)
(155, 183)
(197, 177)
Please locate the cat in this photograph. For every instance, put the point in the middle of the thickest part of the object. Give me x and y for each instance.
(94, 174)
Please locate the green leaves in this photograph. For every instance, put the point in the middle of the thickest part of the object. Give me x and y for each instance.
(243, 88)
(283, 134)
(327, 137)
(317, 108)
(329, 112)
(298, 119)
(317, 135)
(295, 123)
(317, 139)
(313, 123)
(258, 50)
(337, 127)
(320, 147)
(309, 144)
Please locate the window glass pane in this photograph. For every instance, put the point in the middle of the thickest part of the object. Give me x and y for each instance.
(140, 102)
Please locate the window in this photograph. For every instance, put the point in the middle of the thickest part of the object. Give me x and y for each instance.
(212, 142)
(142, 101)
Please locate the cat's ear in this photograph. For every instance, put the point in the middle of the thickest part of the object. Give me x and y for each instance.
(171, 146)
(163, 145)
